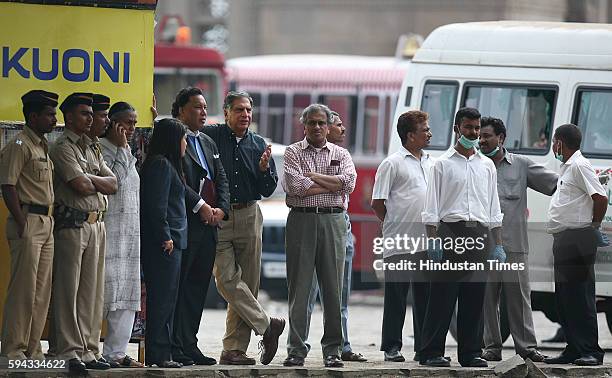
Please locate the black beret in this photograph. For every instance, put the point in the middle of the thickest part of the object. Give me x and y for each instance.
(39, 96)
(77, 98)
(100, 102)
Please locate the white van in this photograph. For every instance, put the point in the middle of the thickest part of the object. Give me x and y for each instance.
(535, 76)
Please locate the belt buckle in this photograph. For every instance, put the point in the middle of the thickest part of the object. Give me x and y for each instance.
(317, 210)
(92, 217)
(471, 224)
(50, 211)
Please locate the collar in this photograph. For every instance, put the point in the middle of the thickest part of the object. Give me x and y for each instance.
(508, 156)
(33, 136)
(72, 136)
(233, 134)
(452, 151)
(194, 134)
(304, 144)
(575, 156)
(404, 151)
(108, 144)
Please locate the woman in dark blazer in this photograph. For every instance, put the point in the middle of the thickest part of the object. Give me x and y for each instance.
(163, 235)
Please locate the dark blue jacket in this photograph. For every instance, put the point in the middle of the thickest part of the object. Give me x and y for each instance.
(162, 204)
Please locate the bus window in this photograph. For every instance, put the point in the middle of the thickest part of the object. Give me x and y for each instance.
(346, 106)
(167, 83)
(276, 117)
(370, 125)
(165, 86)
(526, 112)
(390, 105)
(209, 83)
(300, 102)
(439, 101)
(593, 115)
(256, 113)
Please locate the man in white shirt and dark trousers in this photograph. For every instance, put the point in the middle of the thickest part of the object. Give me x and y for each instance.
(461, 205)
(575, 214)
(401, 179)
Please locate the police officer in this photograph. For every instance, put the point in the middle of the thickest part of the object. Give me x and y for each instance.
(100, 124)
(26, 175)
(81, 181)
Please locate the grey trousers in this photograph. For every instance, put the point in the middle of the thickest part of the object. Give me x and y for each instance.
(515, 284)
(315, 243)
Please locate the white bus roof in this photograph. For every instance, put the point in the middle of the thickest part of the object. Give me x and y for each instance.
(520, 44)
(308, 71)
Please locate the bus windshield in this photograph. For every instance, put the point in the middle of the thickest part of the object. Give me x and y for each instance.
(167, 83)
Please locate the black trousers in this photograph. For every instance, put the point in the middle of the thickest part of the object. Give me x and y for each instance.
(397, 286)
(449, 287)
(574, 258)
(161, 275)
(196, 271)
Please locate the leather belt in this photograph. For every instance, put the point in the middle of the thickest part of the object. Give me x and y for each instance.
(241, 205)
(319, 210)
(38, 209)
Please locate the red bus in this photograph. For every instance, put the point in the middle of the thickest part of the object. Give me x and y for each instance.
(363, 90)
(179, 64)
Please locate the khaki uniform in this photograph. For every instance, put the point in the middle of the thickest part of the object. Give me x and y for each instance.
(25, 163)
(79, 238)
(93, 344)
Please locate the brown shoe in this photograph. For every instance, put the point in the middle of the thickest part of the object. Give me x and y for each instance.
(269, 342)
(235, 357)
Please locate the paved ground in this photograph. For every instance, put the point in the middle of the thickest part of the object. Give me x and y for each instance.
(364, 331)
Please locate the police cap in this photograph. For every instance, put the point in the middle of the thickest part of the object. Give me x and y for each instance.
(100, 102)
(77, 98)
(40, 97)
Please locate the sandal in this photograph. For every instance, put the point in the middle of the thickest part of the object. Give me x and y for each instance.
(129, 362)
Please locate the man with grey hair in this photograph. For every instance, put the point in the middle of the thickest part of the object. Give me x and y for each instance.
(247, 161)
(318, 177)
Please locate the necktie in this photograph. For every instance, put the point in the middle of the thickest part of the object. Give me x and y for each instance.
(208, 191)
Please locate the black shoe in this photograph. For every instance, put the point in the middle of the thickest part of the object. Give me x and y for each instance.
(183, 359)
(536, 356)
(333, 361)
(588, 361)
(293, 361)
(476, 362)
(111, 363)
(394, 355)
(97, 365)
(489, 355)
(436, 362)
(168, 364)
(204, 360)
(559, 337)
(75, 365)
(563, 358)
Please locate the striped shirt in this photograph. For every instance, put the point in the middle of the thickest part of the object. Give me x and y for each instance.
(301, 158)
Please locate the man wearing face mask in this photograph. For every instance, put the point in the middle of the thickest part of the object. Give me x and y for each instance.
(575, 214)
(461, 204)
(515, 173)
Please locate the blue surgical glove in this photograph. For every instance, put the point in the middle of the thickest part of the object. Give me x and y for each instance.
(602, 239)
(434, 253)
(498, 254)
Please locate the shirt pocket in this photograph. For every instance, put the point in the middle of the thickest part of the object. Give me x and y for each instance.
(332, 170)
(41, 170)
(511, 191)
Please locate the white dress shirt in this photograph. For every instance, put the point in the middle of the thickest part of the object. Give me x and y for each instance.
(401, 180)
(463, 189)
(571, 205)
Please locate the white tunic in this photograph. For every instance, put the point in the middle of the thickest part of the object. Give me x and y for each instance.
(122, 221)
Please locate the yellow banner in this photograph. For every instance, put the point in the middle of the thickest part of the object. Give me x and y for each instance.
(66, 49)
